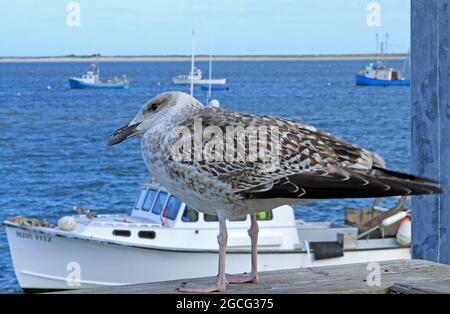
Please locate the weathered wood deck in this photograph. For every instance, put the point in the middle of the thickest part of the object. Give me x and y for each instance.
(400, 276)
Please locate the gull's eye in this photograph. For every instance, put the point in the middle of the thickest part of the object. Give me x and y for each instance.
(153, 106)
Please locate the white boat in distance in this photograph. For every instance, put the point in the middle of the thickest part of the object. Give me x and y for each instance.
(165, 239)
(197, 77)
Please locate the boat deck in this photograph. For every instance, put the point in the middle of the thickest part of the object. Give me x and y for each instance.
(399, 276)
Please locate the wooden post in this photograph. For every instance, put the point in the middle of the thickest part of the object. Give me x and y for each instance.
(430, 125)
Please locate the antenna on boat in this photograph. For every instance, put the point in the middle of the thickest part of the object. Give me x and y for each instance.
(381, 50)
(211, 102)
(376, 44)
(192, 63)
(96, 68)
(386, 43)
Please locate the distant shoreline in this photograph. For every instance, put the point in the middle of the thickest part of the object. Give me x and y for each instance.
(201, 58)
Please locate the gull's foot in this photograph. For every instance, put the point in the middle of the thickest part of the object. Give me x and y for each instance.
(197, 287)
(243, 278)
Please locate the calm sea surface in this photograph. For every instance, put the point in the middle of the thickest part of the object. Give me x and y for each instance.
(53, 152)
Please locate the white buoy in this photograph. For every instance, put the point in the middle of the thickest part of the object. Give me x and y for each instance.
(19, 94)
(404, 232)
(67, 223)
(49, 87)
(214, 103)
(393, 219)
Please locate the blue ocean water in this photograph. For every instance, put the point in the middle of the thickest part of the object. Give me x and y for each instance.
(53, 139)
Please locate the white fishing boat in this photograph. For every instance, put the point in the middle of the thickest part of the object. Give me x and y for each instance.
(195, 76)
(165, 239)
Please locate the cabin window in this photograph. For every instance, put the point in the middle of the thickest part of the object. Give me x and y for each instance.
(172, 207)
(122, 233)
(159, 203)
(140, 199)
(210, 218)
(265, 215)
(189, 214)
(262, 216)
(147, 234)
(149, 200)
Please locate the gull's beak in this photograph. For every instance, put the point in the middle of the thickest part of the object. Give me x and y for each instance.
(123, 133)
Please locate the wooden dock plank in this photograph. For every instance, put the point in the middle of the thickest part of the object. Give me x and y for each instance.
(420, 288)
(328, 279)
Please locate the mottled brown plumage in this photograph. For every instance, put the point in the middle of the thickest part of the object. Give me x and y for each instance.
(313, 164)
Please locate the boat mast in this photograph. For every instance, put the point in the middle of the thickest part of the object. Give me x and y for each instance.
(376, 44)
(381, 51)
(386, 43)
(97, 69)
(210, 76)
(192, 63)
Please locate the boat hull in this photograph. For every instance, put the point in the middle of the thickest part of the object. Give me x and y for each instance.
(77, 84)
(366, 81)
(214, 88)
(46, 261)
(183, 81)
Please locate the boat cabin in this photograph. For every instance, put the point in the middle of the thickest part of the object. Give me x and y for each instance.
(90, 77)
(380, 71)
(196, 74)
(157, 205)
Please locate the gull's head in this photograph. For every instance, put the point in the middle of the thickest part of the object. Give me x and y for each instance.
(151, 113)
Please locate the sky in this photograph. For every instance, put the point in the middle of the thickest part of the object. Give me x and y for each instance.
(223, 27)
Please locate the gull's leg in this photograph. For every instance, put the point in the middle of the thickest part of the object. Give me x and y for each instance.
(221, 282)
(253, 275)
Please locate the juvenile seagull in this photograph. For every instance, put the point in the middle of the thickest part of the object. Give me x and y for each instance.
(312, 165)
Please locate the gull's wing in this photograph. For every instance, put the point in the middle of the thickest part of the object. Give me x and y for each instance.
(311, 164)
(343, 183)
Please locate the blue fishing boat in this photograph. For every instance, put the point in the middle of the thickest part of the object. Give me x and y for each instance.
(380, 74)
(91, 79)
